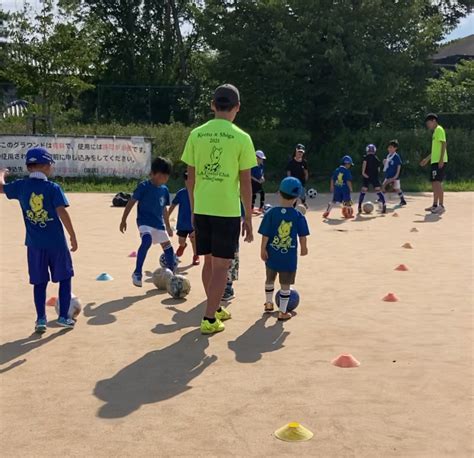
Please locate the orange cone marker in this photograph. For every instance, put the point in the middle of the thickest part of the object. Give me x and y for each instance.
(407, 245)
(345, 360)
(414, 229)
(401, 268)
(51, 302)
(133, 254)
(390, 297)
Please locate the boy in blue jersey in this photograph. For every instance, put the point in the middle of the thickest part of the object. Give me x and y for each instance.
(258, 178)
(341, 185)
(184, 226)
(43, 205)
(280, 229)
(392, 166)
(153, 223)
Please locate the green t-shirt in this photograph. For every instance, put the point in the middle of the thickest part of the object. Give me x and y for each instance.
(439, 135)
(218, 150)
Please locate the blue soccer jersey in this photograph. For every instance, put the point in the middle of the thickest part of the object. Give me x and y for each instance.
(151, 202)
(391, 166)
(184, 211)
(39, 199)
(257, 172)
(283, 226)
(341, 176)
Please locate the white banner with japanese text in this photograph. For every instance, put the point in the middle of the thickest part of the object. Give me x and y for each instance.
(126, 157)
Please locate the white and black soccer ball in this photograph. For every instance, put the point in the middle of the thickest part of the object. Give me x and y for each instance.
(311, 193)
(178, 286)
(163, 262)
(74, 309)
(161, 277)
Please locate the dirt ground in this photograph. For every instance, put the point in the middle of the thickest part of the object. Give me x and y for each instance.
(136, 378)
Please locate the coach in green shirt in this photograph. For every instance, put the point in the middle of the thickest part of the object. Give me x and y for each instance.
(439, 161)
(219, 156)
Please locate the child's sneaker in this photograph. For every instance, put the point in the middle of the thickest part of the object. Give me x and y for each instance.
(438, 210)
(40, 326)
(66, 322)
(325, 214)
(269, 307)
(180, 250)
(223, 315)
(196, 260)
(403, 202)
(359, 209)
(211, 328)
(284, 316)
(228, 294)
(431, 208)
(137, 279)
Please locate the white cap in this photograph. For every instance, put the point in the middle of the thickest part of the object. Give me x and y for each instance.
(260, 154)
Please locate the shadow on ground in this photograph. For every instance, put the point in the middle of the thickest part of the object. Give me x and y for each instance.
(181, 319)
(104, 313)
(258, 339)
(428, 218)
(155, 377)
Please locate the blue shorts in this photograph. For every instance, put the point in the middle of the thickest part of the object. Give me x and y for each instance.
(42, 261)
(341, 194)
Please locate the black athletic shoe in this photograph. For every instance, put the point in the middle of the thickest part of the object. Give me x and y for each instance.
(403, 202)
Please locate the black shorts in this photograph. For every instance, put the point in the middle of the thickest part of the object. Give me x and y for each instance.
(256, 187)
(217, 235)
(437, 174)
(374, 181)
(183, 233)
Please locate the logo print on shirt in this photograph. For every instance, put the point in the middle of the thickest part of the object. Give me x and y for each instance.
(340, 179)
(283, 242)
(37, 214)
(214, 166)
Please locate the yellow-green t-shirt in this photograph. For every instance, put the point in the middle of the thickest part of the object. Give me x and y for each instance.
(218, 150)
(439, 135)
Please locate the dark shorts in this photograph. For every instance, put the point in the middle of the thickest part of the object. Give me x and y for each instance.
(286, 278)
(371, 181)
(438, 174)
(217, 235)
(341, 195)
(184, 234)
(256, 187)
(43, 261)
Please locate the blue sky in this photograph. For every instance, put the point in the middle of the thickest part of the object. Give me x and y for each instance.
(465, 27)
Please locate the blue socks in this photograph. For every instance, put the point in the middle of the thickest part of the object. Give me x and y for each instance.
(381, 197)
(142, 251)
(361, 198)
(64, 297)
(170, 258)
(39, 293)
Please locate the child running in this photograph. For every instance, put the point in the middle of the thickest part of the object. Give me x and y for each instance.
(153, 222)
(184, 226)
(370, 176)
(341, 185)
(258, 178)
(280, 229)
(392, 168)
(43, 205)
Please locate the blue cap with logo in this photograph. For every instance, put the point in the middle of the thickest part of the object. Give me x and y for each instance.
(291, 186)
(347, 160)
(38, 155)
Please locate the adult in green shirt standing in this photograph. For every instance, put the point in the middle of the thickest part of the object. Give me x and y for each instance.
(219, 157)
(439, 160)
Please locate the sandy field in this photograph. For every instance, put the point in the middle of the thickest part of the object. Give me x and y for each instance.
(136, 378)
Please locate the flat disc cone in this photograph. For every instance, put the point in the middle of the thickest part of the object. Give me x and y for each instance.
(293, 432)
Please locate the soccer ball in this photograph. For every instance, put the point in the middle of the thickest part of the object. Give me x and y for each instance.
(347, 212)
(178, 286)
(161, 277)
(292, 303)
(74, 309)
(312, 193)
(301, 208)
(368, 207)
(163, 262)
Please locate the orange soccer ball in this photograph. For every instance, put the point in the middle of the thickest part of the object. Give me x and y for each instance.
(347, 212)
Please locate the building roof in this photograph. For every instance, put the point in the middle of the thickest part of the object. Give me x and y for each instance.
(461, 47)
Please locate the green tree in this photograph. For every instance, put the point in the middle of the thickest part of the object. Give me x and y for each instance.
(453, 91)
(50, 56)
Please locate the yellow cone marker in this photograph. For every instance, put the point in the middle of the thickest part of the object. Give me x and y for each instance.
(293, 432)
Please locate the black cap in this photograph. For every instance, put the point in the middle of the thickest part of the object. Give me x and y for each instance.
(227, 95)
(431, 117)
(300, 147)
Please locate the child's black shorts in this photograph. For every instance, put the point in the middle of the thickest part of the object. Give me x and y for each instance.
(217, 235)
(184, 234)
(438, 174)
(374, 181)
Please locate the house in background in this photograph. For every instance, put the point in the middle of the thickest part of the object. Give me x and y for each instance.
(453, 52)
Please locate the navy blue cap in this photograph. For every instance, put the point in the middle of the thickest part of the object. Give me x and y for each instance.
(291, 186)
(38, 155)
(347, 160)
